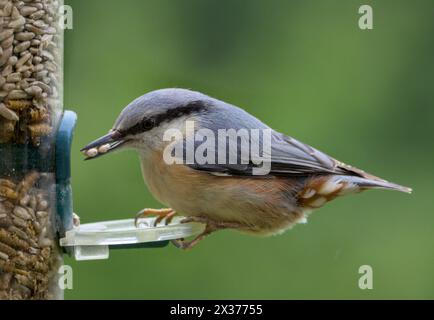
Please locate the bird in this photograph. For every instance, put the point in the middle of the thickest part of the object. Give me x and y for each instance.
(226, 194)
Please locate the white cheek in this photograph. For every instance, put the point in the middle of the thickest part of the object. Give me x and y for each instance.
(177, 124)
(153, 139)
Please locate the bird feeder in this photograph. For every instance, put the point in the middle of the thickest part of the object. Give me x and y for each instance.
(31, 100)
(36, 213)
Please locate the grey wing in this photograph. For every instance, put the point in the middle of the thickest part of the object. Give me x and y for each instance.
(286, 156)
(292, 157)
(289, 157)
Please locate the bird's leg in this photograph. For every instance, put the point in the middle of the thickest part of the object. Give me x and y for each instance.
(211, 226)
(162, 214)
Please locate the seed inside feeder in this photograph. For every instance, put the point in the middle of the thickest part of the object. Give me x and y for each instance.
(30, 69)
(27, 247)
(31, 90)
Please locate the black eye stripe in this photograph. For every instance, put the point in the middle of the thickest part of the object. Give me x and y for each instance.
(137, 128)
(195, 106)
(149, 123)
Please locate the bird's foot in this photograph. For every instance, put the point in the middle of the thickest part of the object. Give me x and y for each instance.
(211, 226)
(162, 214)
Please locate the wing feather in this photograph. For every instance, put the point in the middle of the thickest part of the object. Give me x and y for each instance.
(289, 157)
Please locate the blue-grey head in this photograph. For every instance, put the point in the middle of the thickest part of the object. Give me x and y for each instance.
(145, 119)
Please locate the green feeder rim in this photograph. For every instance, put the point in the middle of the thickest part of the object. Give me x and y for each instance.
(63, 171)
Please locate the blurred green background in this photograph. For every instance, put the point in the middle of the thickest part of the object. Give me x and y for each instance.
(304, 68)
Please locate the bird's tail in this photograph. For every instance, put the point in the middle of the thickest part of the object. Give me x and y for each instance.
(354, 183)
(321, 190)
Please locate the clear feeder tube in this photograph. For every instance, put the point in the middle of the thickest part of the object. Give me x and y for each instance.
(31, 102)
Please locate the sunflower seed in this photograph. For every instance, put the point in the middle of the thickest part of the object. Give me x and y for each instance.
(32, 28)
(19, 222)
(14, 77)
(9, 86)
(40, 24)
(104, 148)
(22, 46)
(7, 70)
(5, 34)
(45, 242)
(4, 256)
(37, 60)
(7, 9)
(23, 60)
(42, 205)
(92, 152)
(12, 60)
(6, 43)
(27, 10)
(34, 91)
(25, 200)
(22, 213)
(37, 15)
(15, 24)
(7, 53)
(15, 14)
(17, 94)
(20, 233)
(8, 113)
(24, 36)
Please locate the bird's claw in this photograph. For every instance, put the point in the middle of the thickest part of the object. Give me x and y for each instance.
(162, 214)
(178, 243)
(186, 245)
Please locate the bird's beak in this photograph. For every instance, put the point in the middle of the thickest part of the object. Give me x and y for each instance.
(111, 141)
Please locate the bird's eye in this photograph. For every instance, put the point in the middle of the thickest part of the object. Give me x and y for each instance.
(148, 124)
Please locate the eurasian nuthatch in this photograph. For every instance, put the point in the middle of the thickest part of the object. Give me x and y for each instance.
(223, 193)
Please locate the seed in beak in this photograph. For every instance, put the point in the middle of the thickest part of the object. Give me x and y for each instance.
(92, 152)
(104, 148)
